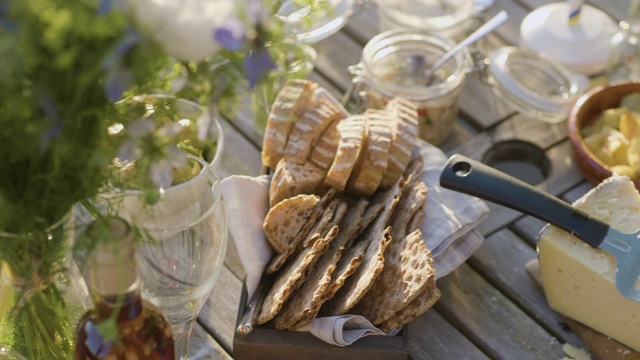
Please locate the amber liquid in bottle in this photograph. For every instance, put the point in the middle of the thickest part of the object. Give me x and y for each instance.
(140, 331)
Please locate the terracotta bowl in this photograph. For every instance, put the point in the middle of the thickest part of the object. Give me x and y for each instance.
(584, 112)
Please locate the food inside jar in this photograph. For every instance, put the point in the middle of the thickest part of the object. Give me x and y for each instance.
(406, 77)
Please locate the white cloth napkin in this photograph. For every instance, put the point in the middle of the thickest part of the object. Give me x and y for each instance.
(447, 231)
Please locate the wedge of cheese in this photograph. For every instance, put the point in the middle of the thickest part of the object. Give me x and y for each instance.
(578, 280)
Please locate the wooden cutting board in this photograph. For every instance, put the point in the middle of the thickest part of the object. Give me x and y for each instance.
(602, 347)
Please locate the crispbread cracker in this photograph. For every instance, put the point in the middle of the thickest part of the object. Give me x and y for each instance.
(416, 221)
(377, 236)
(323, 222)
(357, 284)
(278, 260)
(286, 280)
(310, 126)
(283, 221)
(404, 130)
(412, 200)
(414, 309)
(347, 265)
(293, 177)
(303, 302)
(407, 271)
(352, 132)
(289, 105)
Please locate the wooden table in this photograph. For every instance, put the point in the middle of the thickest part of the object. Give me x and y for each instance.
(490, 307)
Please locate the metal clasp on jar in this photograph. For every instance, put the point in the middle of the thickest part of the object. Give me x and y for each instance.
(356, 86)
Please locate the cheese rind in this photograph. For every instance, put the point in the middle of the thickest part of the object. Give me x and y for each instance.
(578, 280)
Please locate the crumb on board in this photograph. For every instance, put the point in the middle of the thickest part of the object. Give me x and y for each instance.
(574, 353)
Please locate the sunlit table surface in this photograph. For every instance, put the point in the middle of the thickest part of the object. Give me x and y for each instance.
(490, 306)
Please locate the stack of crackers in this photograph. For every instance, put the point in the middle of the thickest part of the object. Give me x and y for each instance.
(346, 204)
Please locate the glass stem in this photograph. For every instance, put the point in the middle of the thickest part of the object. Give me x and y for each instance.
(181, 336)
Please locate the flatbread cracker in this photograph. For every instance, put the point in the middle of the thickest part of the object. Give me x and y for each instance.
(303, 302)
(284, 221)
(377, 236)
(278, 260)
(286, 280)
(413, 310)
(407, 272)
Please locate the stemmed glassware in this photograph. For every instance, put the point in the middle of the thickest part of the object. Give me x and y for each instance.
(184, 239)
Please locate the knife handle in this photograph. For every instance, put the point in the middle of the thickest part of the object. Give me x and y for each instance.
(475, 178)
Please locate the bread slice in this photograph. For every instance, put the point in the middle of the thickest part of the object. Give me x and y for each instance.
(284, 221)
(324, 149)
(367, 174)
(291, 102)
(352, 132)
(404, 130)
(310, 126)
(293, 177)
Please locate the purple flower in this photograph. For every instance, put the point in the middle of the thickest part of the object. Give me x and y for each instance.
(106, 6)
(231, 34)
(129, 151)
(140, 127)
(117, 82)
(161, 173)
(255, 11)
(118, 76)
(121, 49)
(256, 64)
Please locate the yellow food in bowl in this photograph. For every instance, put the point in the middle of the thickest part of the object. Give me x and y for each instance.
(614, 138)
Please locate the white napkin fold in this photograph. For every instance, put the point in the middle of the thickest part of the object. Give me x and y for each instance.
(446, 229)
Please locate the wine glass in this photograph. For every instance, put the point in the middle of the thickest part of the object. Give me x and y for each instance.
(182, 249)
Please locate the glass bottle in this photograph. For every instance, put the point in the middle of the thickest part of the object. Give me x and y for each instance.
(624, 61)
(121, 325)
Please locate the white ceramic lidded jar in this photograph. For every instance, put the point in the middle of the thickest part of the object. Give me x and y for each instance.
(394, 64)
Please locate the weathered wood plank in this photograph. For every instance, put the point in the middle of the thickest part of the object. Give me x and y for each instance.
(491, 321)
(501, 260)
(431, 337)
(218, 315)
(204, 347)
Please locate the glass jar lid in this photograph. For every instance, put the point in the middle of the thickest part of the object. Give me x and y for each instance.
(533, 84)
(428, 15)
(309, 24)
